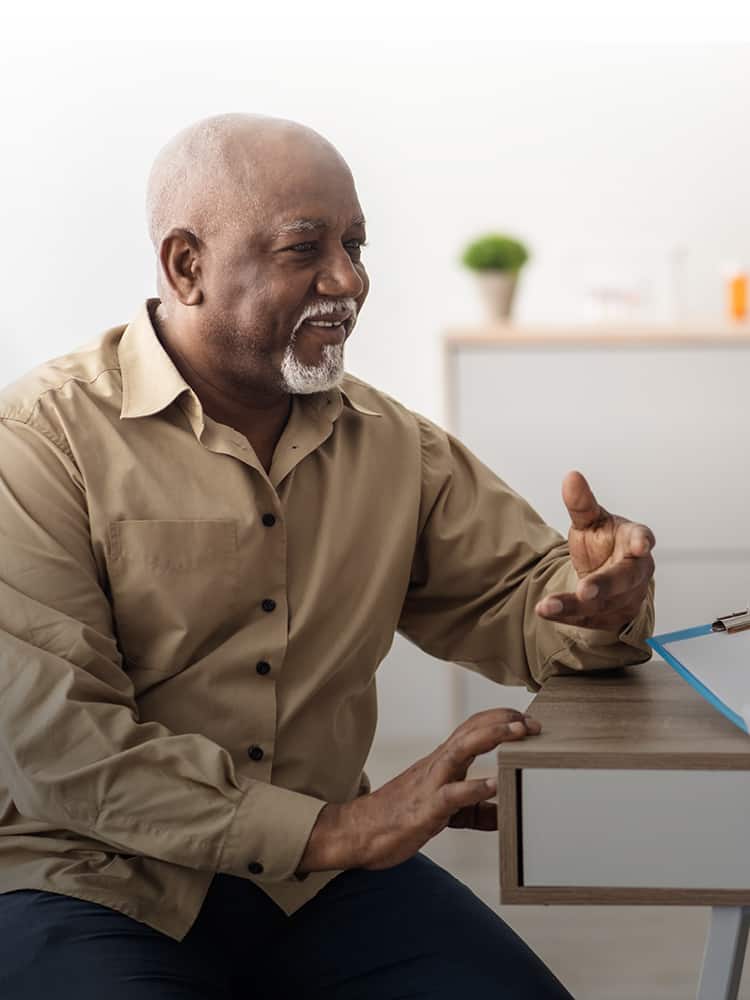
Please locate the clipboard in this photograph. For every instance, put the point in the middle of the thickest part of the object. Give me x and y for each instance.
(715, 660)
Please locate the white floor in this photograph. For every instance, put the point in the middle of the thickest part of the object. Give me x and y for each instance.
(598, 952)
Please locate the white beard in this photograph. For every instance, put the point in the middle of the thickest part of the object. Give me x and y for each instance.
(305, 379)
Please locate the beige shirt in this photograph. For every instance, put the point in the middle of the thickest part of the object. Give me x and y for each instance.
(188, 645)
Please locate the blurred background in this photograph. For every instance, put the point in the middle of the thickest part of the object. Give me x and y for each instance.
(622, 168)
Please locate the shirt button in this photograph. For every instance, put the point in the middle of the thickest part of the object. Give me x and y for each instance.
(255, 753)
(262, 667)
(269, 520)
(255, 868)
(268, 604)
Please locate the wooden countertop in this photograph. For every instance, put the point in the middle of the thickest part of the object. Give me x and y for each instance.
(638, 717)
(685, 335)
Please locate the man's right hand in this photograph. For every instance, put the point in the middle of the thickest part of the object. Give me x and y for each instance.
(390, 825)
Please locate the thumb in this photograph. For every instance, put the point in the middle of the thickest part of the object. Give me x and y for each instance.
(580, 501)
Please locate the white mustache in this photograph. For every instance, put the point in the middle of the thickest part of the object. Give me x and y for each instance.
(326, 309)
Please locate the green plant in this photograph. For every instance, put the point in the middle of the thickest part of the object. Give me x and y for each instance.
(495, 252)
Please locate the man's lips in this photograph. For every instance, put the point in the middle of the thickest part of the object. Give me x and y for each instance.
(326, 334)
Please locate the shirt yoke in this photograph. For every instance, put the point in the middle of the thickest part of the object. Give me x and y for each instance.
(20, 399)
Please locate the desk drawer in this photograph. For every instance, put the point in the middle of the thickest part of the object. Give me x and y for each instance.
(617, 828)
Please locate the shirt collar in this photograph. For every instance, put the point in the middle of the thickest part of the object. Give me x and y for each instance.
(150, 380)
(354, 405)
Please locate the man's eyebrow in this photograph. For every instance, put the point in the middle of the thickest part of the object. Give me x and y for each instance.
(305, 225)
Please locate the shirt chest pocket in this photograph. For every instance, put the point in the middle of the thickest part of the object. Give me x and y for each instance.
(174, 588)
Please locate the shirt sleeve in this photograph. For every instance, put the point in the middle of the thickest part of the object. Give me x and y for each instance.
(483, 560)
(73, 753)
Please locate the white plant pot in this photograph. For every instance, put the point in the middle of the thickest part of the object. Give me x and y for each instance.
(498, 289)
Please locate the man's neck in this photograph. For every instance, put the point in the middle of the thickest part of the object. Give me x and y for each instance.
(261, 419)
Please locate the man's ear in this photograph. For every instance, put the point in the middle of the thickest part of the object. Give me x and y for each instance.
(179, 255)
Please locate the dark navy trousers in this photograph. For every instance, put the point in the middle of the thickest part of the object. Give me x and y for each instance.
(408, 931)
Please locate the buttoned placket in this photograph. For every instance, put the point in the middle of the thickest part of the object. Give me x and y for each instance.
(304, 432)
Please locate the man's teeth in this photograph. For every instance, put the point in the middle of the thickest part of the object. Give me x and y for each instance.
(320, 322)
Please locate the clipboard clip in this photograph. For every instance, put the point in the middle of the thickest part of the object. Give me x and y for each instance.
(738, 621)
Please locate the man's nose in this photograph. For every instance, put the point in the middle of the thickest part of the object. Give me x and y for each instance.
(339, 277)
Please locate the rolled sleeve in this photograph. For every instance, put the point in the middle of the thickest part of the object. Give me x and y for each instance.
(484, 559)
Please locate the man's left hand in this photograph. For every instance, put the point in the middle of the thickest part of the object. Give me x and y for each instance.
(612, 557)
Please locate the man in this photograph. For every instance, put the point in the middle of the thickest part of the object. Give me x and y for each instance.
(209, 534)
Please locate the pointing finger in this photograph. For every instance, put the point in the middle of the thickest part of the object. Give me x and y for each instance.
(581, 503)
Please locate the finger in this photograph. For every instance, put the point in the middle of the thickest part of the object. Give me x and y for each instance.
(640, 540)
(481, 816)
(455, 796)
(596, 590)
(581, 503)
(459, 753)
(487, 717)
(619, 610)
(614, 622)
(600, 593)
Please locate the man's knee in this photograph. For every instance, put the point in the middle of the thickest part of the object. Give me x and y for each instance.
(417, 926)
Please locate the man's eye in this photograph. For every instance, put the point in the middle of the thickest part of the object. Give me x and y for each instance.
(356, 246)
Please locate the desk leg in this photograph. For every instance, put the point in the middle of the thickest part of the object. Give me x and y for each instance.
(725, 953)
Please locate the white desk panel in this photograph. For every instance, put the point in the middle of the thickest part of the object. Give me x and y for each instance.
(662, 829)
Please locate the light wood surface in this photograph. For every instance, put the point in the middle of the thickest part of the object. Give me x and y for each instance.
(604, 335)
(639, 717)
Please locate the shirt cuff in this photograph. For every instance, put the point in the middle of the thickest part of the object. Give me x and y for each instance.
(269, 832)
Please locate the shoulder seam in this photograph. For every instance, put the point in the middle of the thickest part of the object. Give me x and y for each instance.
(10, 415)
(59, 443)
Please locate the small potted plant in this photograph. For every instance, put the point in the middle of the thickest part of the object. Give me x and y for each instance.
(497, 259)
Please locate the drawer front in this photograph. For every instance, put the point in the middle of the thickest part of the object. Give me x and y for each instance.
(659, 432)
(661, 829)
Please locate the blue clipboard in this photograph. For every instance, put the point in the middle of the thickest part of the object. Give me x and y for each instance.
(715, 660)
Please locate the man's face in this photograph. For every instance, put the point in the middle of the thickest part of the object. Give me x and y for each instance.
(263, 279)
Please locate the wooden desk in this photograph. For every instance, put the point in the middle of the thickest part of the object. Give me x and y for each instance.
(635, 792)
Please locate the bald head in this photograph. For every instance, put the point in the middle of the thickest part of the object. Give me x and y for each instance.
(211, 175)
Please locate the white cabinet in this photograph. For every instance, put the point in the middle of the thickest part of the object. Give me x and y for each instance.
(660, 426)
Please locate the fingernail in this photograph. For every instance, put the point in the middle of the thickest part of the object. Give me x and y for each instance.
(589, 591)
(533, 726)
(552, 606)
(517, 727)
(491, 784)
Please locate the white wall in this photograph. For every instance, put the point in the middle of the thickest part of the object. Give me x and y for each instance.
(572, 147)
(575, 148)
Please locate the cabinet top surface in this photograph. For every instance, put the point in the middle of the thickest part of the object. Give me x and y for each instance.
(582, 334)
(643, 716)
